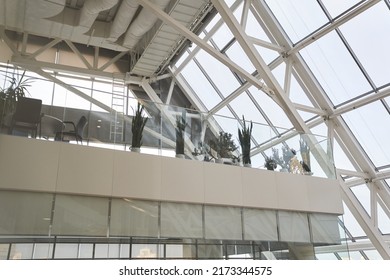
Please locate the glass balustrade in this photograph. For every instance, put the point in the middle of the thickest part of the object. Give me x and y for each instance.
(190, 134)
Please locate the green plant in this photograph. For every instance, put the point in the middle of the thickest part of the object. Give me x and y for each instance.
(305, 153)
(244, 137)
(224, 145)
(137, 126)
(287, 155)
(180, 131)
(9, 96)
(270, 163)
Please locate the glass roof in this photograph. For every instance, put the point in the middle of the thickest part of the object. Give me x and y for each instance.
(336, 66)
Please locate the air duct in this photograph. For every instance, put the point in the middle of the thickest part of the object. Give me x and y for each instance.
(91, 10)
(122, 19)
(142, 24)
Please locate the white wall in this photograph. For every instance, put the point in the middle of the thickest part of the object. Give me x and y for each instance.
(38, 165)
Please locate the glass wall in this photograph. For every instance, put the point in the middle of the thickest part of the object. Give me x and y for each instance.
(83, 227)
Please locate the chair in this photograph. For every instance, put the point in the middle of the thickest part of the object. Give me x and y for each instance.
(76, 133)
(27, 115)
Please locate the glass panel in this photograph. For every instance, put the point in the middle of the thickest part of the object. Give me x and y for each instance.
(210, 251)
(21, 251)
(176, 251)
(25, 212)
(4, 251)
(200, 85)
(134, 218)
(374, 57)
(298, 18)
(222, 222)
(383, 220)
(221, 76)
(222, 36)
(237, 55)
(41, 89)
(66, 251)
(85, 251)
(239, 252)
(373, 136)
(79, 215)
(293, 227)
(324, 228)
(107, 251)
(337, 72)
(260, 225)
(336, 7)
(125, 251)
(362, 193)
(73, 100)
(373, 255)
(146, 251)
(181, 220)
(351, 224)
(243, 105)
(328, 256)
(271, 109)
(43, 251)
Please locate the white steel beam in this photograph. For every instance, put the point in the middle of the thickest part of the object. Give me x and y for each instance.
(206, 38)
(365, 222)
(361, 102)
(206, 47)
(260, 65)
(345, 138)
(44, 48)
(26, 62)
(113, 60)
(78, 53)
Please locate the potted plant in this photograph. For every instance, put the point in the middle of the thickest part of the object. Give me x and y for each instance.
(285, 160)
(244, 137)
(270, 163)
(180, 132)
(305, 154)
(10, 95)
(137, 127)
(224, 146)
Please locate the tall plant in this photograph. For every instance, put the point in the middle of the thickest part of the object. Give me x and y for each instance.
(224, 145)
(9, 96)
(137, 126)
(244, 137)
(180, 131)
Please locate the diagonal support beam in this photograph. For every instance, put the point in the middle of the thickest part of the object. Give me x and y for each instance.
(78, 53)
(260, 65)
(206, 47)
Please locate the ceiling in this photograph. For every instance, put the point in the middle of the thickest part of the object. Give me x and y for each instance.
(119, 25)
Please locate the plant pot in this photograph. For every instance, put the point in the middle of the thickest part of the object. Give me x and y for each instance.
(180, 156)
(136, 149)
(247, 165)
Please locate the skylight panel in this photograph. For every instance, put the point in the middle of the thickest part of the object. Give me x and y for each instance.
(298, 18)
(335, 69)
(370, 126)
(271, 109)
(200, 85)
(221, 76)
(337, 7)
(368, 36)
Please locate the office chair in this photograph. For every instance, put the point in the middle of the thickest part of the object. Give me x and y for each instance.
(27, 115)
(76, 133)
